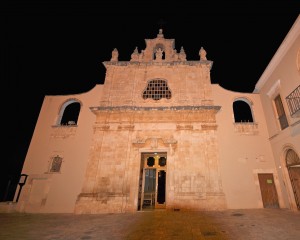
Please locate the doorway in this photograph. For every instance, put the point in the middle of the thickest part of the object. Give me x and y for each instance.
(294, 172)
(293, 166)
(268, 190)
(152, 181)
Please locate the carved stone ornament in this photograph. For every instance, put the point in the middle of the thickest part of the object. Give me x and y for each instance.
(135, 55)
(101, 127)
(155, 142)
(182, 55)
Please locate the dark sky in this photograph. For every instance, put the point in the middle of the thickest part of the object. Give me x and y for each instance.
(57, 47)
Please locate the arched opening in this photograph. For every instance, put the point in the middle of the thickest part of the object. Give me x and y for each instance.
(69, 113)
(242, 111)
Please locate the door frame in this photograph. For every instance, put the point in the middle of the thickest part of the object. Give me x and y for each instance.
(143, 166)
(270, 183)
(286, 177)
(276, 182)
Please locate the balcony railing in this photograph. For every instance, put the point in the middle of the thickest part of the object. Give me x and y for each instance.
(293, 102)
(246, 128)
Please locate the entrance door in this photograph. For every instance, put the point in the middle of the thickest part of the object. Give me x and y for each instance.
(152, 190)
(293, 166)
(268, 190)
(294, 172)
(149, 187)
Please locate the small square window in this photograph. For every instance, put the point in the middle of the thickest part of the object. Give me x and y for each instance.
(56, 164)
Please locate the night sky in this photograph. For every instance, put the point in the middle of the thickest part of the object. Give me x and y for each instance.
(55, 47)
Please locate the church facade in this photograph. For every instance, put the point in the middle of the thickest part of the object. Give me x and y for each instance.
(157, 135)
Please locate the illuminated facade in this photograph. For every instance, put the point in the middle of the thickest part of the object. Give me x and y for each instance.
(158, 134)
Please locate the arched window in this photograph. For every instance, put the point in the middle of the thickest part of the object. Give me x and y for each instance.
(242, 111)
(69, 113)
(157, 89)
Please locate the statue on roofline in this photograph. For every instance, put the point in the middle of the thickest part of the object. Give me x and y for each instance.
(158, 54)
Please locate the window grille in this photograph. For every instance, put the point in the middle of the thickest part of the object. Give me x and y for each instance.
(157, 89)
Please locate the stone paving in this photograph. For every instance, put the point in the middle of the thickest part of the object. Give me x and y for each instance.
(254, 224)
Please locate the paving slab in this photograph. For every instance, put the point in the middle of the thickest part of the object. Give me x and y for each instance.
(240, 224)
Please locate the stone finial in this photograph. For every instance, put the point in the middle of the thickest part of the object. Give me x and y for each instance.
(141, 55)
(136, 50)
(135, 55)
(202, 54)
(175, 55)
(160, 33)
(114, 55)
(182, 55)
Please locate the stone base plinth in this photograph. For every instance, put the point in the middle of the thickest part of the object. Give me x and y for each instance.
(102, 203)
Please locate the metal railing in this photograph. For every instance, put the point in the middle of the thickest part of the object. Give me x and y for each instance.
(293, 102)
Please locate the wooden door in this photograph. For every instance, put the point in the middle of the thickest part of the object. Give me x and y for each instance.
(268, 190)
(294, 172)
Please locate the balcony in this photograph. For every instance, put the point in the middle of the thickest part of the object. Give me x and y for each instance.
(246, 128)
(293, 102)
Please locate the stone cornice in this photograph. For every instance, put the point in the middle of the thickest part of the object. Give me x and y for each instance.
(172, 108)
(162, 63)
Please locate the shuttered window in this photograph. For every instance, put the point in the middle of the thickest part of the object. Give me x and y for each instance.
(281, 113)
